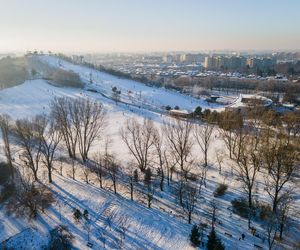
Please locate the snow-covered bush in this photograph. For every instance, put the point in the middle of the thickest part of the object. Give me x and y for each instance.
(220, 190)
(240, 207)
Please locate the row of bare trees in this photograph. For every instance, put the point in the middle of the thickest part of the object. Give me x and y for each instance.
(78, 123)
(169, 150)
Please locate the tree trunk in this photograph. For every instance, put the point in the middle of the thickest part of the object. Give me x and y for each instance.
(115, 187)
(35, 175)
(131, 189)
(250, 208)
(100, 181)
(162, 181)
(275, 202)
(205, 158)
(168, 176)
(50, 175)
(281, 227)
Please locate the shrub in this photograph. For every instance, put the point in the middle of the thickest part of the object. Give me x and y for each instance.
(66, 78)
(195, 236)
(6, 192)
(5, 173)
(220, 190)
(198, 111)
(192, 177)
(240, 207)
(60, 239)
(265, 211)
(168, 108)
(214, 243)
(77, 215)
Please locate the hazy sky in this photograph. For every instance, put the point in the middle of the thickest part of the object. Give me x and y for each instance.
(149, 25)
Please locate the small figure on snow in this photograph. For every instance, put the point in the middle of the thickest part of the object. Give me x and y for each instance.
(243, 236)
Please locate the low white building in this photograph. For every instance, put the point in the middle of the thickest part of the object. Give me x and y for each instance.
(246, 101)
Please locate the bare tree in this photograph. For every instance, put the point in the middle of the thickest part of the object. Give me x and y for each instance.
(28, 135)
(139, 139)
(284, 209)
(228, 123)
(213, 207)
(86, 174)
(89, 119)
(50, 140)
(99, 169)
(6, 126)
(170, 164)
(291, 122)
(239, 136)
(220, 159)
(189, 199)
(272, 229)
(60, 160)
(131, 171)
(149, 186)
(282, 163)
(29, 199)
(112, 169)
(203, 134)
(74, 168)
(61, 113)
(247, 167)
(158, 144)
(179, 137)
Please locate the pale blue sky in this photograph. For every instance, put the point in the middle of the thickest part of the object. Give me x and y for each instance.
(149, 25)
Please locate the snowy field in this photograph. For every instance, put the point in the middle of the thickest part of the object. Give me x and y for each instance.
(161, 227)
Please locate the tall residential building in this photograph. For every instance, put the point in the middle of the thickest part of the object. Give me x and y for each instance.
(168, 59)
(224, 62)
(208, 62)
(261, 63)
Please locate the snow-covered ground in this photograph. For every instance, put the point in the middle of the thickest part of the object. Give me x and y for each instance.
(131, 91)
(161, 227)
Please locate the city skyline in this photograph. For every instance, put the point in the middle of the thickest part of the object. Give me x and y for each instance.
(145, 26)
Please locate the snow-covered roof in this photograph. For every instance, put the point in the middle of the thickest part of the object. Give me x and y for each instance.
(179, 112)
(240, 101)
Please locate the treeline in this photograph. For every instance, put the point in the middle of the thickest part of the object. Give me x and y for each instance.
(57, 76)
(65, 78)
(13, 71)
(119, 74)
(268, 86)
(288, 68)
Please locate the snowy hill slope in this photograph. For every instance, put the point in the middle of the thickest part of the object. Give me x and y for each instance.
(131, 91)
(146, 228)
